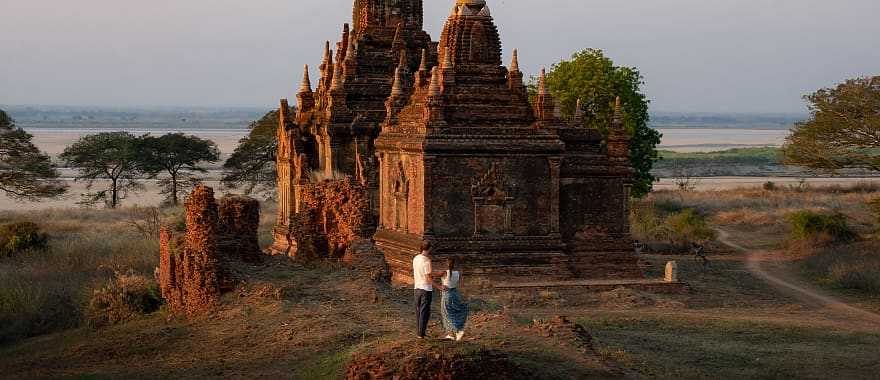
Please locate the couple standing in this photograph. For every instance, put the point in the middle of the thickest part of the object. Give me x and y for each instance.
(453, 307)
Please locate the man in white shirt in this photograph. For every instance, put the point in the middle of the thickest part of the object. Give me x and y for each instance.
(424, 288)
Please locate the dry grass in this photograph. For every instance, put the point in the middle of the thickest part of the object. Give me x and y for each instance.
(45, 291)
(854, 267)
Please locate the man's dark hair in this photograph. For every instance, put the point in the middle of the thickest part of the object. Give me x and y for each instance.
(426, 246)
(451, 264)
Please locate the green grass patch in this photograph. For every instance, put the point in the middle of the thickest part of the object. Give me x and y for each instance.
(694, 348)
(746, 155)
(328, 366)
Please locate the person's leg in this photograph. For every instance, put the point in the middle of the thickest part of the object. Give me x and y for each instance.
(424, 312)
(419, 301)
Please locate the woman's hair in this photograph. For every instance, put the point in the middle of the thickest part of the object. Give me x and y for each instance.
(450, 263)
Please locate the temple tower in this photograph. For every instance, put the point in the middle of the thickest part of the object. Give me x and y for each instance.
(337, 122)
(468, 164)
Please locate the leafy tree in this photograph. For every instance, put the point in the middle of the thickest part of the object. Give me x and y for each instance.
(843, 131)
(593, 78)
(25, 172)
(113, 156)
(178, 156)
(252, 165)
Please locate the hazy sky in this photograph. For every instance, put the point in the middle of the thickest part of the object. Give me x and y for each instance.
(696, 55)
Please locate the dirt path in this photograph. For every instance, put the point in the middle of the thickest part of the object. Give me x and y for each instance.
(788, 284)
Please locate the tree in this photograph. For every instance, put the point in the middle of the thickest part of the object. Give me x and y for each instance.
(843, 131)
(252, 164)
(178, 156)
(25, 172)
(594, 79)
(112, 156)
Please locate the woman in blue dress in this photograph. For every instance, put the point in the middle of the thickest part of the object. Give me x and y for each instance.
(453, 307)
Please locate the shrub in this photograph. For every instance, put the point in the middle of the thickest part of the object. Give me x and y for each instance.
(769, 186)
(21, 236)
(853, 266)
(810, 225)
(689, 226)
(125, 297)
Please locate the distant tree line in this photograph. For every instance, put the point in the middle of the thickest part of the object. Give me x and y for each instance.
(125, 160)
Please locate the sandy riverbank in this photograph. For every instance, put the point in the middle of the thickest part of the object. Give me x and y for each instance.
(151, 197)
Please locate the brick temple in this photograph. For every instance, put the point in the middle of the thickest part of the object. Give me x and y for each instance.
(443, 140)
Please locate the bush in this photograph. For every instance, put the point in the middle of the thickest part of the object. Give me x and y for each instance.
(18, 237)
(812, 226)
(125, 297)
(853, 266)
(769, 186)
(689, 226)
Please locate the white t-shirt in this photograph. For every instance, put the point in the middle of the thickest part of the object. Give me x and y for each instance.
(451, 279)
(422, 273)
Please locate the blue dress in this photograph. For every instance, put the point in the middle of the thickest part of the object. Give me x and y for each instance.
(453, 307)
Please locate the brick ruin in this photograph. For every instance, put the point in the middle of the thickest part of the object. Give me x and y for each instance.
(196, 268)
(447, 149)
(333, 215)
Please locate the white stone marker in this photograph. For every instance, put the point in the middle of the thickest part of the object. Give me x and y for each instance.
(671, 271)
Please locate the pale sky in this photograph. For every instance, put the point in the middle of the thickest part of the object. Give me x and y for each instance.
(696, 55)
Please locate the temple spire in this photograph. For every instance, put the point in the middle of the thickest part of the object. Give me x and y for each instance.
(617, 121)
(514, 63)
(447, 59)
(434, 90)
(578, 113)
(336, 83)
(306, 82)
(397, 88)
(542, 82)
(423, 66)
(328, 55)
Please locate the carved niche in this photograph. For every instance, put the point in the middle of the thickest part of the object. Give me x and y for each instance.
(400, 194)
(493, 204)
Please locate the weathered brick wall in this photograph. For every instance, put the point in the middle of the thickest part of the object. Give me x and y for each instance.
(197, 268)
(238, 226)
(335, 214)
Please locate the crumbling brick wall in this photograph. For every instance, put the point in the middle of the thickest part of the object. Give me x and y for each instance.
(334, 215)
(238, 227)
(196, 268)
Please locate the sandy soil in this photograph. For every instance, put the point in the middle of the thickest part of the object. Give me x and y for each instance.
(54, 141)
(150, 196)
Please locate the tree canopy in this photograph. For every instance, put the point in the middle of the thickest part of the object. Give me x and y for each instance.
(252, 165)
(843, 131)
(178, 156)
(594, 79)
(112, 156)
(25, 172)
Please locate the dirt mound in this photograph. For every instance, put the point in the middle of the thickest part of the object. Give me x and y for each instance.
(626, 298)
(438, 362)
(566, 331)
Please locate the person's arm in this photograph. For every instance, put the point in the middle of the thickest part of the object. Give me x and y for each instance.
(431, 275)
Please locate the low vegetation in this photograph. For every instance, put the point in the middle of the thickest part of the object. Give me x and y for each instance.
(665, 226)
(812, 226)
(18, 237)
(853, 267)
(50, 290)
(124, 297)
